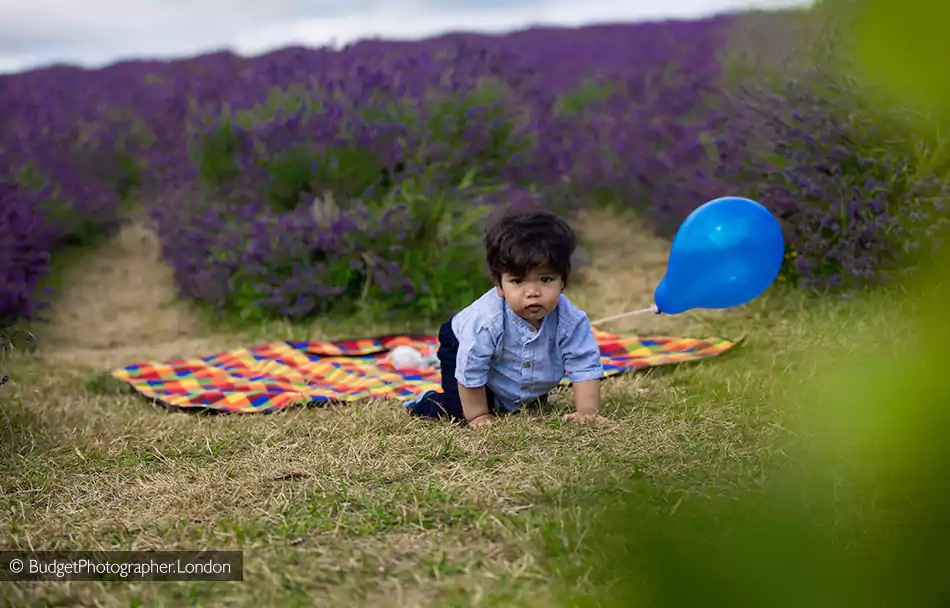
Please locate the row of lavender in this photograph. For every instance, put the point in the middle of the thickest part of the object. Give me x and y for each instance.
(307, 179)
(366, 183)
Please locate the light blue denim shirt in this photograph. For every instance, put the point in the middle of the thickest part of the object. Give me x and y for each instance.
(517, 362)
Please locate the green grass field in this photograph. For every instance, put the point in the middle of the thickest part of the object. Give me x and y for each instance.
(358, 504)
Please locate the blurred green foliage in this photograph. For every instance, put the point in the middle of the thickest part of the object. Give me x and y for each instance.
(904, 43)
(857, 513)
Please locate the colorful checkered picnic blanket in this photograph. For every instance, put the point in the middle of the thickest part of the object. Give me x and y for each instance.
(282, 374)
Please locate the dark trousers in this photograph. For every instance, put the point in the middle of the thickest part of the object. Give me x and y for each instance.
(446, 404)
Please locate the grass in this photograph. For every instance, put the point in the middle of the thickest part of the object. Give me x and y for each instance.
(358, 504)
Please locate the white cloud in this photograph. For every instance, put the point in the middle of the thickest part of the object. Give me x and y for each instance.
(97, 32)
(410, 19)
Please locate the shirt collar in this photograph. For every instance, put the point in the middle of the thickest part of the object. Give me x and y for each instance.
(523, 326)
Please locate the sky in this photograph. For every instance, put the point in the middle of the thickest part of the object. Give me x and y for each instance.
(94, 33)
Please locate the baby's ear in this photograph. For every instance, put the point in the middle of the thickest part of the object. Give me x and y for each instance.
(499, 290)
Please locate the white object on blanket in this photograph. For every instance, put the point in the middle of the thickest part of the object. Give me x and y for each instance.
(406, 357)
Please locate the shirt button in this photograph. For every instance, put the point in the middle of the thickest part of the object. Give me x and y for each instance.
(526, 364)
(532, 330)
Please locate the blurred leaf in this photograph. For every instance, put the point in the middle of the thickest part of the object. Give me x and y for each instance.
(904, 43)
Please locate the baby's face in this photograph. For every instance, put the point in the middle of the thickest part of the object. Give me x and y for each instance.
(533, 296)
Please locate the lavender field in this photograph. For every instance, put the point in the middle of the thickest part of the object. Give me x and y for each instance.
(313, 193)
(307, 181)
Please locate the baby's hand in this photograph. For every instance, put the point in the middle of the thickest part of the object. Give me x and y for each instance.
(582, 417)
(483, 420)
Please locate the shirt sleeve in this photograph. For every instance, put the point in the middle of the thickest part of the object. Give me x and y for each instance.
(581, 353)
(473, 360)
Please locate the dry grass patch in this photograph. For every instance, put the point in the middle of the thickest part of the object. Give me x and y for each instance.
(119, 304)
(351, 504)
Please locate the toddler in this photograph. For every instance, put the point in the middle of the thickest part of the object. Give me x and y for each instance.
(515, 343)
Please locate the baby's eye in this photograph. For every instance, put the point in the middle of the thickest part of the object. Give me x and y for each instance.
(547, 279)
(517, 281)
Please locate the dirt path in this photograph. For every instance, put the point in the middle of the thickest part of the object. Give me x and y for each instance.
(119, 304)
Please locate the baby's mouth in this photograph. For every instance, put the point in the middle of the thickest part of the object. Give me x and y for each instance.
(534, 308)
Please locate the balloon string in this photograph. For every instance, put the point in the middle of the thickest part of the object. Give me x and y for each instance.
(626, 314)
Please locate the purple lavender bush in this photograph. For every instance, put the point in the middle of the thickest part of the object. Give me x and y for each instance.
(855, 210)
(56, 136)
(451, 126)
(306, 181)
(74, 145)
(418, 251)
(844, 172)
(317, 139)
(406, 182)
(48, 199)
(25, 244)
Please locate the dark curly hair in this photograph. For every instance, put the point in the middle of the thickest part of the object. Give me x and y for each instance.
(521, 240)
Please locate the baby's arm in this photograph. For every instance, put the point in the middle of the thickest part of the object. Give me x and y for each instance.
(584, 370)
(587, 397)
(476, 346)
(475, 405)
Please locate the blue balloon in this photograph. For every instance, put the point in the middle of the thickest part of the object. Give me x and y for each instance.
(725, 254)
